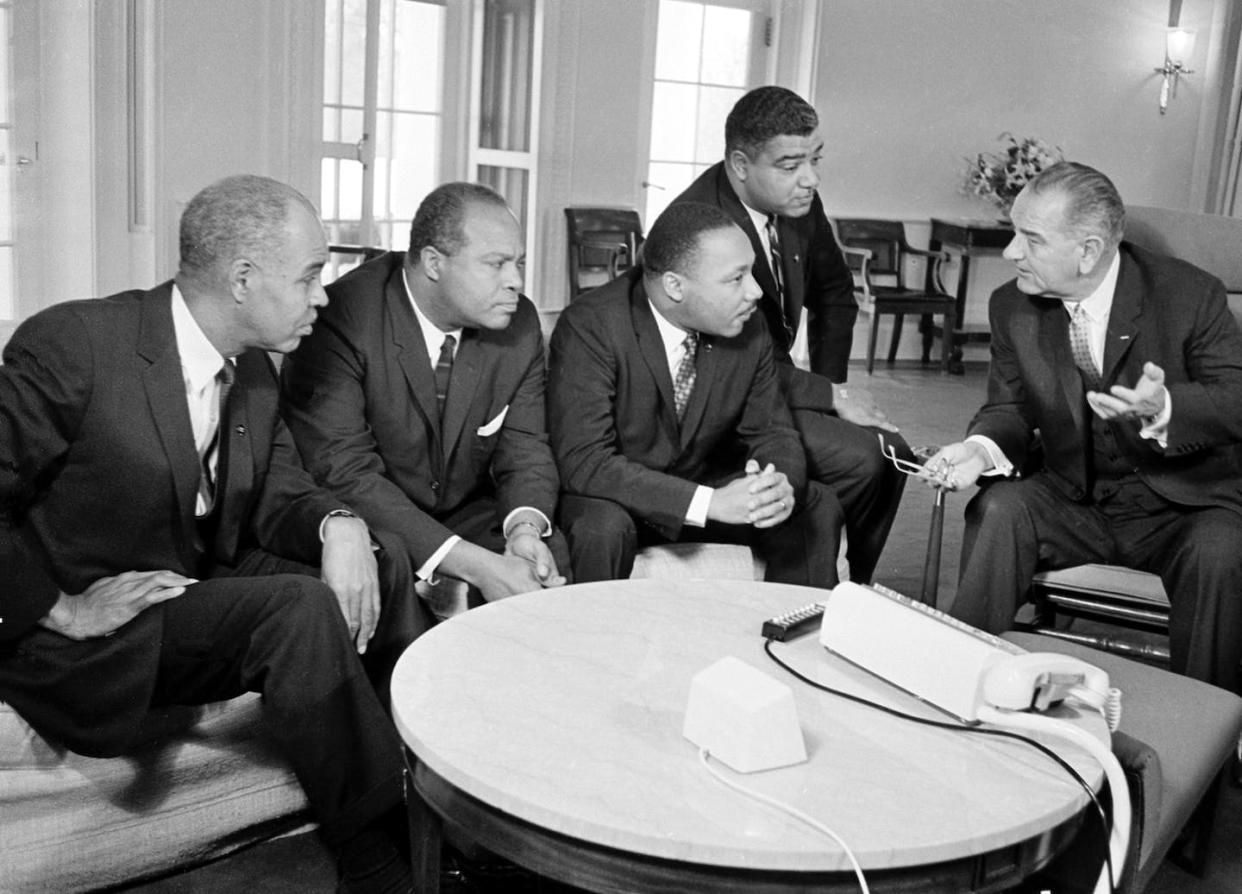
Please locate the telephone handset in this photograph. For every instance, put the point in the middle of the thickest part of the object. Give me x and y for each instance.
(1037, 680)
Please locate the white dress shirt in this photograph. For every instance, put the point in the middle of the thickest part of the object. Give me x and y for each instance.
(200, 364)
(674, 340)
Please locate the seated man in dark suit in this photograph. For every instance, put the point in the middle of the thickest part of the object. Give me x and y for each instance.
(157, 532)
(767, 185)
(419, 400)
(666, 416)
(1129, 365)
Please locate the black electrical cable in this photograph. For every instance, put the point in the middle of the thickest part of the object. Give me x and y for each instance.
(977, 730)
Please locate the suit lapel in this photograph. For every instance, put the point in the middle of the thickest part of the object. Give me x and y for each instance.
(651, 346)
(1123, 317)
(411, 352)
(163, 384)
(792, 260)
(463, 384)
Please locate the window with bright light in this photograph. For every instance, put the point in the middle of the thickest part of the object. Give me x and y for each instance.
(707, 56)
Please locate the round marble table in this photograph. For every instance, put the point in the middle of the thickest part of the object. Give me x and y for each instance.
(548, 728)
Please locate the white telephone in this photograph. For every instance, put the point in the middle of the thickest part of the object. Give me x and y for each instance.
(1038, 680)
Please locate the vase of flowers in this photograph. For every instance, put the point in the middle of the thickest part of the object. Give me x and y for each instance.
(1000, 176)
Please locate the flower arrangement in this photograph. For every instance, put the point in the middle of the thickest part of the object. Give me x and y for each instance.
(1000, 176)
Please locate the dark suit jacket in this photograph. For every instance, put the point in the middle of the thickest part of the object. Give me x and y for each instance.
(359, 396)
(613, 423)
(815, 275)
(1164, 311)
(98, 476)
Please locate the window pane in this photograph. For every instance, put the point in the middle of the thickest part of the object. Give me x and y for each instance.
(327, 189)
(414, 163)
(678, 40)
(510, 183)
(416, 69)
(385, 46)
(673, 179)
(331, 124)
(508, 36)
(353, 52)
(714, 106)
(350, 196)
(351, 125)
(726, 46)
(332, 51)
(672, 111)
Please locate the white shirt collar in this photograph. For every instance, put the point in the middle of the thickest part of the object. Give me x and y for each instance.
(1099, 303)
(433, 335)
(671, 335)
(200, 361)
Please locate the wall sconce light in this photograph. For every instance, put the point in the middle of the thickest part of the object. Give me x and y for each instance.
(1178, 44)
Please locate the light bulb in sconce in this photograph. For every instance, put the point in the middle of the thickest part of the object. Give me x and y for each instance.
(1178, 45)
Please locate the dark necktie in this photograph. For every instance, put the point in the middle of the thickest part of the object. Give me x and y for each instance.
(683, 384)
(778, 274)
(1080, 344)
(444, 372)
(208, 478)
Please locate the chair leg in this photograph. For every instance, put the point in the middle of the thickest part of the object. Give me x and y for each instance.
(896, 339)
(925, 328)
(946, 340)
(871, 336)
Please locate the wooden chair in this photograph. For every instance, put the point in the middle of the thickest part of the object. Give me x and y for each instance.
(602, 243)
(877, 249)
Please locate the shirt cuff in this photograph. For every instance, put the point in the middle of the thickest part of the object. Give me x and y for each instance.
(696, 515)
(1157, 428)
(546, 528)
(427, 571)
(1001, 466)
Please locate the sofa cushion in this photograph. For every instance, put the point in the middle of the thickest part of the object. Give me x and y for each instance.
(202, 783)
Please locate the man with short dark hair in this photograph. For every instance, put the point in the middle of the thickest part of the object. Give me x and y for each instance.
(157, 533)
(1129, 366)
(666, 417)
(419, 400)
(767, 185)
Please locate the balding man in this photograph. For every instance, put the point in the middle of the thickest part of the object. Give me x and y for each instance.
(1129, 366)
(159, 539)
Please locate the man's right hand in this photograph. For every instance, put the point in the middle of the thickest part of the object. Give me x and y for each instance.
(762, 498)
(496, 576)
(957, 466)
(110, 603)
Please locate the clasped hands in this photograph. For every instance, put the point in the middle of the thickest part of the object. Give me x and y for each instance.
(762, 497)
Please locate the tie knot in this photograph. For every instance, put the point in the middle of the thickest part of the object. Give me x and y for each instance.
(691, 342)
(226, 373)
(446, 348)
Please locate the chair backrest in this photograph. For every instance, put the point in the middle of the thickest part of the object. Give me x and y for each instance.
(886, 239)
(602, 243)
(1209, 241)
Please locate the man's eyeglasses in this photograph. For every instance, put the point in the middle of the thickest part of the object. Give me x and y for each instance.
(912, 469)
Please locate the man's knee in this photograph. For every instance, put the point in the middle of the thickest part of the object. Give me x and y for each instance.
(999, 503)
(1214, 543)
(602, 537)
(300, 605)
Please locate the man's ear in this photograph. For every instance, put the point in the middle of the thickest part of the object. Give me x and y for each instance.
(243, 275)
(431, 259)
(1090, 253)
(672, 285)
(738, 163)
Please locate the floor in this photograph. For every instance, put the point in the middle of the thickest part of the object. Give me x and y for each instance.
(931, 409)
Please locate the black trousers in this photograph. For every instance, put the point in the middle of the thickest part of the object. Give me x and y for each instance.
(283, 635)
(847, 458)
(604, 539)
(1016, 528)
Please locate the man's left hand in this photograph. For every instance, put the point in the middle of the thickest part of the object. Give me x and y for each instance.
(524, 543)
(1144, 401)
(856, 405)
(348, 566)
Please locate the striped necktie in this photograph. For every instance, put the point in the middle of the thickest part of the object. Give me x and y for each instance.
(210, 472)
(778, 274)
(444, 372)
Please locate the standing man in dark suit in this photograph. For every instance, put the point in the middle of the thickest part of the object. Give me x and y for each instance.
(157, 532)
(767, 185)
(666, 417)
(1129, 365)
(419, 400)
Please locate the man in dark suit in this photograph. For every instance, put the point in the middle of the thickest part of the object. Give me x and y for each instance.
(1129, 366)
(666, 418)
(157, 534)
(767, 185)
(419, 400)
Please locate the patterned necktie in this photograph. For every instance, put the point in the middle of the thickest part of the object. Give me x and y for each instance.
(683, 384)
(778, 274)
(444, 371)
(209, 476)
(1080, 344)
